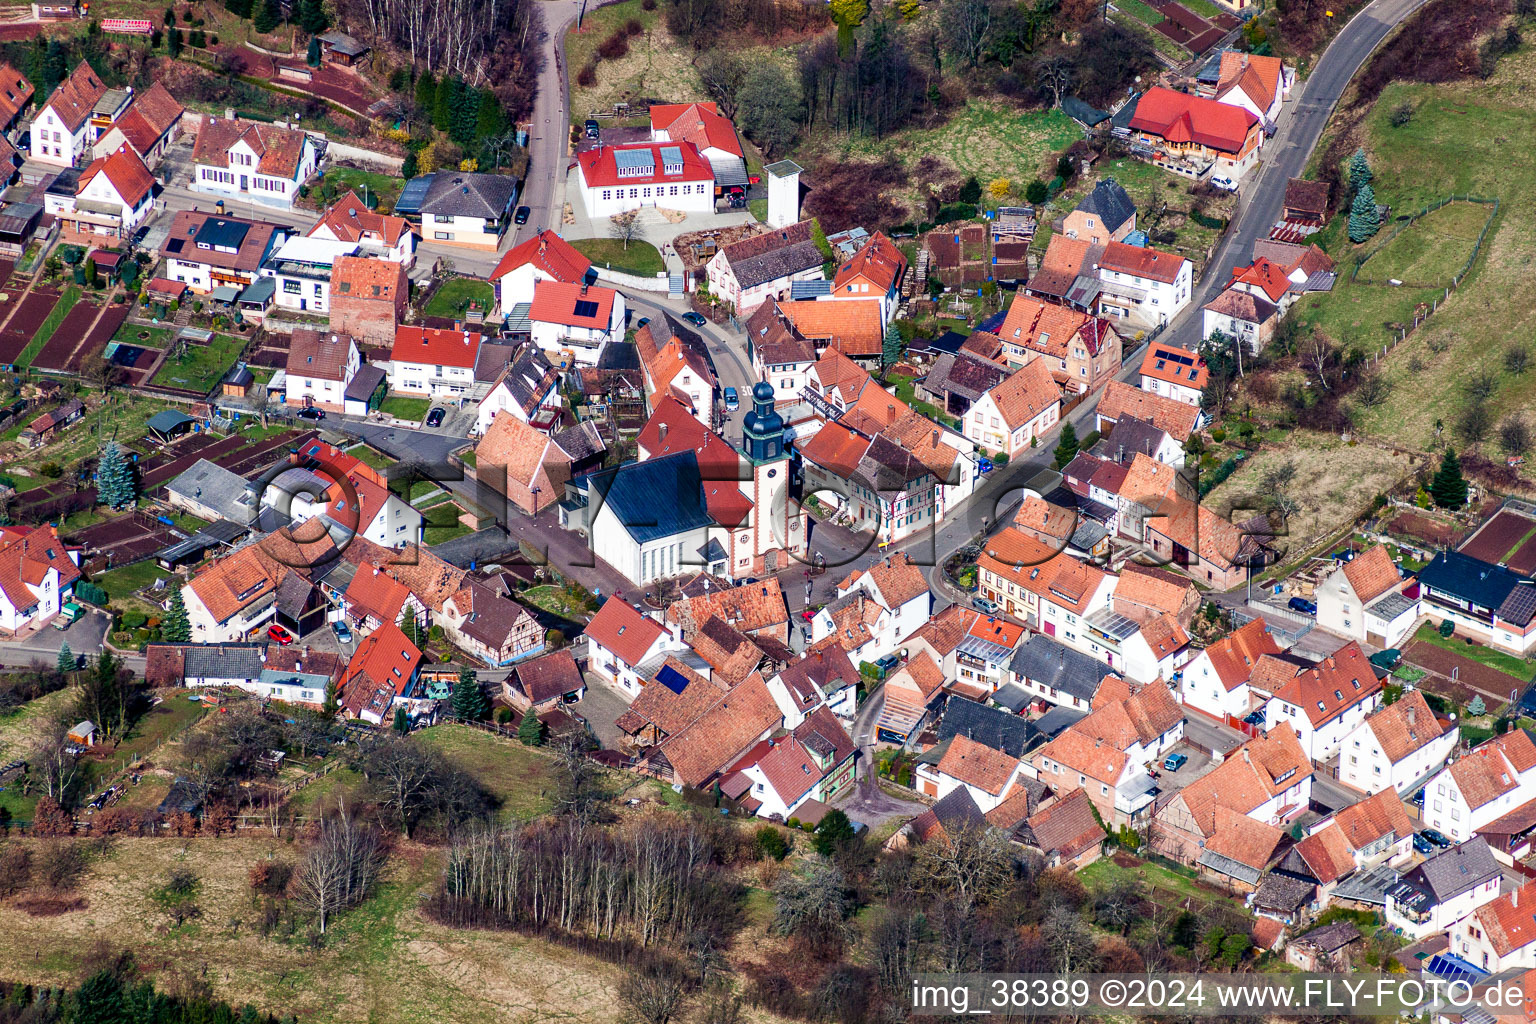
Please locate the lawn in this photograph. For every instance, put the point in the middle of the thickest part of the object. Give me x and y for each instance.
(202, 366)
(552, 599)
(640, 258)
(906, 391)
(55, 317)
(372, 456)
(441, 523)
(519, 777)
(382, 961)
(657, 66)
(19, 728)
(1507, 663)
(454, 296)
(401, 407)
(129, 579)
(385, 188)
(1334, 484)
(468, 457)
(1432, 250)
(1138, 10)
(1463, 139)
(1162, 880)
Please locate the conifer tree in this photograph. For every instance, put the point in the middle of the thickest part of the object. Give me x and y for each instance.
(1359, 171)
(443, 103)
(1363, 219)
(313, 56)
(66, 658)
(402, 724)
(426, 92)
(530, 730)
(115, 486)
(469, 703)
(268, 16)
(177, 628)
(1448, 488)
(1066, 450)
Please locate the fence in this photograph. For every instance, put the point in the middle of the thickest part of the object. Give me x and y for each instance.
(659, 283)
(1420, 316)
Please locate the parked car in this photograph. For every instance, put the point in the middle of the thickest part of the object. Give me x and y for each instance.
(1255, 717)
(984, 464)
(1173, 762)
(1301, 604)
(435, 417)
(343, 634)
(522, 215)
(887, 664)
(309, 412)
(592, 128)
(642, 322)
(732, 400)
(985, 605)
(1422, 845)
(281, 635)
(1436, 837)
(697, 319)
(1417, 799)
(1224, 183)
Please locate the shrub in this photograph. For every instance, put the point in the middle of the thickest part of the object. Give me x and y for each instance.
(647, 5)
(134, 619)
(771, 843)
(587, 76)
(1447, 627)
(1401, 114)
(1000, 460)
(52, 470)
(614, 47)
(632, 27)
(1218, 434)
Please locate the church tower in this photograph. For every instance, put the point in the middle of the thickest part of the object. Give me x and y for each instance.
(776, 525)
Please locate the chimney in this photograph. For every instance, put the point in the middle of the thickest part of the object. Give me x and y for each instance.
(583, 288)
(306, 650)
(1120, 456)
(661, 431)
(1246, 758)
(861, 604)
(542, 245)
(1411, 716)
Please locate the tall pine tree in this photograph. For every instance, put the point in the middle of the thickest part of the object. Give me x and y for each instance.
(426, 92)
(268, 16)
(312, 17)
(443, 103)
(66, 658)
(1066, 450)
(469, 703)
(1448, 488)
(466, 117)
(530, 730)
(115, 485)
(1359, 171)
(1363, 218)
(313, 56)
(177, 628)
(402, 724)
(100, 1000)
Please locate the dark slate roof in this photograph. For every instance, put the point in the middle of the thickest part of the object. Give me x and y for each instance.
(777, 263)
(581, 441)
(167, 420)
(1053, 664)
(1330, 937)
(1122, 118)
(1130, 435)
(963, 375)
(344, 44)
(1109, 202)
(1227, 866)
(619, 355)
(886, 467)
(1482, 583)
(492, 359)
(364, 381)
(548, 676)
(989, 726)
(223, 661)
(1085, 113)
(656, 498)
(956, 812)
(216, 487)
(293, 595)
(1282, 893)
(1011, 696)
(1058, 720)
(1449, 873)
(412, 195)
(494, 619)
(468, 194)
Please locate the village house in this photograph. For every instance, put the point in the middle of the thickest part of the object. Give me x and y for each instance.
(1444, 890)
(1360, 837)
(368, 297)
(348, 495)
(260, 163)
(1396, 746)
(207, 251)
(1132, 437)
(572, 323)
(15, 94)
(544, 257)
(1363, 600)
(1323, 949)
(1267, 780)
(672, 176)
(349, 219)
(779, 355)
(232, 598)
(957, 380)
(544, 683)
(38, 573)
(527, 387)
(1216, 682)
(321, 366)
(853, 326)
(677, 363)
(523, 465)
(1106, 214)
(1046, 589)
(383, 671)
(875, 270)
(784, 777)
(821, 677)
(1491, 604)
(1257, 84)
(433, 362)
(988, 774)
(1145, 593)
(1171, 372)
(1323, 704)
(622, 644)
(980, 661)
(750, 271)
(1081, 351)
(911, 693)
(1488, 781)
(62, 132)
(342, 49)
(148, 127)
(493, 628)
(1017, 411)
(717, 738)
(1178, 419)
(1219, 553)
(110, 199)
(1065, 832)
(463, 208)
(1500, 935)
(1195, 136)
(880, 607)
(1142, 284)
(1062, 528)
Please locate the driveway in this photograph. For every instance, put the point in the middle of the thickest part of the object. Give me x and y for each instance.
(866, 801)
(601, 707)
(1203, 732)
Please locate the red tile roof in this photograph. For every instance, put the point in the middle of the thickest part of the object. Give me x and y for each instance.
(374, 593)
(1175, 418)
(1371, 574)
(383, 665)
(1233, 656)
(550, 253)
(977, 765)
(435, 346)
(879, 262)
(1180, 117)
(15, 92)
(835, 447)
(1175, 366)
(1143, 262)
(1028, 392)
(125, 170)
(698, 123)
(26, 555)
(76, 95)
(1267, 276)
(1405, 726)
(350, 220)
(599, 170)
(1333, 686)
(621, 629)
(572, 305)
(855, 327)
(278, 150)
(364, 277)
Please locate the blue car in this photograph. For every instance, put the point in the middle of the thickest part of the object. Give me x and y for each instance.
(1301, 604)
(985, 465)
(732, 401)
(1173, 762)
(1422, 845)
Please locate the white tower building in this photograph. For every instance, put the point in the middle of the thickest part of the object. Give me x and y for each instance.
(783, 193)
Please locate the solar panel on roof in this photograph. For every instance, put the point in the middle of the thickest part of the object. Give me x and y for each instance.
(586, 307)
(672, 679)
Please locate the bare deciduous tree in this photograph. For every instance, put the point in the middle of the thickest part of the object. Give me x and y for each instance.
(1055, 74)
(340, 868)
(403, 772)
(52, 762)
(651, 993)
(973, 864)
(624, 226)
(967, 28)
(1069, 939)
(1317, 355)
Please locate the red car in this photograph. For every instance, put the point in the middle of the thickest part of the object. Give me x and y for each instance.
(281, 635)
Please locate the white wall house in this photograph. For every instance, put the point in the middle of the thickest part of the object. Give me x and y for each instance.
(349, 220)
(114, 195)
(620, 640)
(1489, 781)
(896, 586)
(232, 598)
(1445, 889)
(1143, 284)
(576, 318)
(1499, 935)
(427, 361)
(527, 390)
(1363, 600)
(37, 576)
(1327, 702)
(670, 176)
(544, 257)
(302, 268)
(1396, 746)
(1021, 408)
(62, 133)
(258, 163)
(320, 366)
(1216, 681)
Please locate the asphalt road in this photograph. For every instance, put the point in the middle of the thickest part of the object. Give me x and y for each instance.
(1285, 156)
